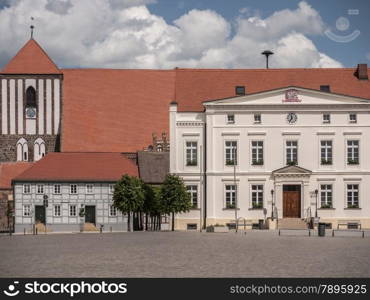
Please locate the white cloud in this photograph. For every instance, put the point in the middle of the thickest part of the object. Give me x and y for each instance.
(124, 34)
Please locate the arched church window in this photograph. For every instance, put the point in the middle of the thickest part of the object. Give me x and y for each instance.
(22, 150)
(39, 149)
(31, 103)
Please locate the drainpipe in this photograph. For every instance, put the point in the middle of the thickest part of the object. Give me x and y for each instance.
(205, 175)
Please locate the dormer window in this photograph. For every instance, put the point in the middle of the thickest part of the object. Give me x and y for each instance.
(325, 88)
(257, 118)
(230, 119)
(240, 90)
(31, 103)
(326, 118)
(353, 118)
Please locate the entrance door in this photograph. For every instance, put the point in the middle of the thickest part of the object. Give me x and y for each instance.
(90, 214)
(39, 214)
(292, 201)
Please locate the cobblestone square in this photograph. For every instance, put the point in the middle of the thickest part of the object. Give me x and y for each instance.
(183, 254)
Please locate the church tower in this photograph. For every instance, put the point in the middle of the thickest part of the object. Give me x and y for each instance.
(30, 105)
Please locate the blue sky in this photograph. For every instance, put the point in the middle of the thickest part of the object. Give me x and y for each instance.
(190, 33)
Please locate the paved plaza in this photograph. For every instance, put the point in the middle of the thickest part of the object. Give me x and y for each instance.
(183, 254)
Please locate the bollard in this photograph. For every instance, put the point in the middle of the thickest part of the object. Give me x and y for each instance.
(332, 233)
(363, 234)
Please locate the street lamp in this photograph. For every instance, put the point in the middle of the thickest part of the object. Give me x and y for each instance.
(46, 204)
(236, 198)
(272, 204)
(316, 193)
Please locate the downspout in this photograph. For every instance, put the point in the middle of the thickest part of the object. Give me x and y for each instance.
(205, 176)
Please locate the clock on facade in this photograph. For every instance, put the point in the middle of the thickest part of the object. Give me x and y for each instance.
(30, 112)
(291, 118)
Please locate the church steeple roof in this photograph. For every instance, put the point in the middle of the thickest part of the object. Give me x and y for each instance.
(31, 59)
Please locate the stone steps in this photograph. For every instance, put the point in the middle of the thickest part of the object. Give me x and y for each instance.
(292, 223)
(90, 227)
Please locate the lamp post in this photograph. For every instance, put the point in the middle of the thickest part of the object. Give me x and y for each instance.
(236, 198)
(46, 204)
(316, 193)
(272, 204)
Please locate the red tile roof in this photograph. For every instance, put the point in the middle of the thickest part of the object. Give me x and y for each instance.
(195, 86)
(114, 110)
(10, 170)
(104, 167)
(31, 59)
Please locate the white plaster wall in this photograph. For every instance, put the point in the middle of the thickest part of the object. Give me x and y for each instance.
(48, 106)
(4, 107)
(12, 105)
(41, 110)
(20, 106)
(56, 105)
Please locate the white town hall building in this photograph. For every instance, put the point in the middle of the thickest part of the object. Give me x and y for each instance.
(300, 150)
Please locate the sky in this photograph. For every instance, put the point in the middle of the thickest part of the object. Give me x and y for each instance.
(164, 34)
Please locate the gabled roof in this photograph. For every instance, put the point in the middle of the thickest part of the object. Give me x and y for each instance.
(193, 86)
(77, 167)
(266, 93)
(292, 170)
(10, 170)
(153, 166)
(31, 59)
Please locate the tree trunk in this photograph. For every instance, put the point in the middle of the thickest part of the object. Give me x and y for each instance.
(141, 221)
(160, 223)
(146, 222)
(129, 221)
(173, 221)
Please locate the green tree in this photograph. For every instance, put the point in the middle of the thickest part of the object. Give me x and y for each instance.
(152, 206)
(174, 197)
(128, 196)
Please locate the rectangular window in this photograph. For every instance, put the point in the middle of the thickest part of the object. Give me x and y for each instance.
(230, 119)
(72, 211)
(326, 118)
(240, 90)
(291, 152)
(230, 196)
(112, 211)
(56, 188)
(231, 150)
(111, 188)
(40, 189)
(326, 150)
(257, 153)
(191, 153)
(73, 189)
(353, 118)
(26, 189)
(257, 118)
(26, 210)
(257, 196)
(353, 152)
(57, 211)
(89, 188)
(193, 191)
(352, 195)
(326, 195)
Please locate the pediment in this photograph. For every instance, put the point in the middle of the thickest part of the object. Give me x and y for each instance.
(292, 170)
(289, 96)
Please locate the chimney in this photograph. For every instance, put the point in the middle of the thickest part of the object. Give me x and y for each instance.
(361, 72)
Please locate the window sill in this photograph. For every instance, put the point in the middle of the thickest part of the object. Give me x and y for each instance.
(323, 208)
(256, 208)
(352, 208)
(225, 208)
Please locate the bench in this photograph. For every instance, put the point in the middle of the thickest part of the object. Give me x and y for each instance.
(353, 224)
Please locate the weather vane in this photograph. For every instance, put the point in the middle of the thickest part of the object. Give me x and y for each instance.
(32, 27)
